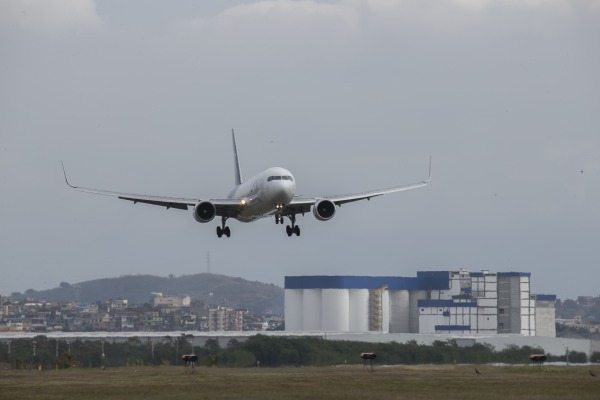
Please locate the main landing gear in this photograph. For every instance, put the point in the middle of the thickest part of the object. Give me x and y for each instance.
(223, 229)
(291, 230)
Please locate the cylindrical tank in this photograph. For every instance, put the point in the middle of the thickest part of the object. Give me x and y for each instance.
(399, 311)
(293, 309)
(359, 310)
(385, 308)
(335, 310)
(311, 310)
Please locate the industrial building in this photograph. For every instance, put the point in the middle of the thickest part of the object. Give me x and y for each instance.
(433, 302)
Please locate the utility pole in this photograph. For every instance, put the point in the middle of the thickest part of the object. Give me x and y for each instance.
(103, 356)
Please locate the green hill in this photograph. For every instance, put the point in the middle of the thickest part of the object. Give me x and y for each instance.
(210, 288)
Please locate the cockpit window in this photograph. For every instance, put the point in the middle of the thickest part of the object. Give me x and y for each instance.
(279, 178)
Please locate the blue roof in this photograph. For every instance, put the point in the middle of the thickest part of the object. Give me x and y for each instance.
(425, 280)
(429, 281)
(528, 274)
(433, 274)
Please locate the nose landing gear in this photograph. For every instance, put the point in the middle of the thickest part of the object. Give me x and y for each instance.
(278, 216)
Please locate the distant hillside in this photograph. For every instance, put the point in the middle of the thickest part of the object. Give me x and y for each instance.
(211, 288)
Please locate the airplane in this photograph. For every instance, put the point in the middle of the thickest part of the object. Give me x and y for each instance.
(271, 193)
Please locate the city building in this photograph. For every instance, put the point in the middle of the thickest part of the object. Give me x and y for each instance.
(545, 315)
(434, 302)
(225, 319)
(169, 301)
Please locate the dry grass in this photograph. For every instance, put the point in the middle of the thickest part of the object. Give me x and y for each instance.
(344, 382)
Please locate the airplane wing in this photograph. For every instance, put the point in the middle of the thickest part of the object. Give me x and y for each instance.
(301, 205)
(225, 207)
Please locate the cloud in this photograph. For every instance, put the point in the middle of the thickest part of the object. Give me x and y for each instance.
(354, 14)
(48, 16)
(290, 22)
(331, 29)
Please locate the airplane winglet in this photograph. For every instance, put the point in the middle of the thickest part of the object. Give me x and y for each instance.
(65, 174)
(429, 178)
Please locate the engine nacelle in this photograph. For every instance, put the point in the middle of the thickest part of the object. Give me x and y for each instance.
(324, 210)
(204, 211)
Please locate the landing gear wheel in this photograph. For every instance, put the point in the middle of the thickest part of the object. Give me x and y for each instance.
(223, 230)
(294, 229)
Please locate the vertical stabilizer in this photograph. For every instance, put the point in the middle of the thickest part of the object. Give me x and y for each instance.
(236, 162)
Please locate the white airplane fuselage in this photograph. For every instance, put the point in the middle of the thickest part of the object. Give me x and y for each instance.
(264, 194)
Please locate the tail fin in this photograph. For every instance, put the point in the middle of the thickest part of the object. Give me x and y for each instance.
(236, 162)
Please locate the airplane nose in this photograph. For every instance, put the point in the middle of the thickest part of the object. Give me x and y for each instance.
(283, 191)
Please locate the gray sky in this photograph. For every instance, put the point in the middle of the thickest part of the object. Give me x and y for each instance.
(140, 96)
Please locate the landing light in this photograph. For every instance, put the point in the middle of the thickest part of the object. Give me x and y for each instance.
(243, 202)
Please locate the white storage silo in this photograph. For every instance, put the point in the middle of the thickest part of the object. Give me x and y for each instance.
(359, 310)
(335, 308)
(385, 308)
(399, 311)
(293, 309)
(311, 310)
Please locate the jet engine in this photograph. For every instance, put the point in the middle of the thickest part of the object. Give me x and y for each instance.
(324, 210)
(204, 211)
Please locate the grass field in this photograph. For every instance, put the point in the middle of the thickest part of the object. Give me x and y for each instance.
(446, 382)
